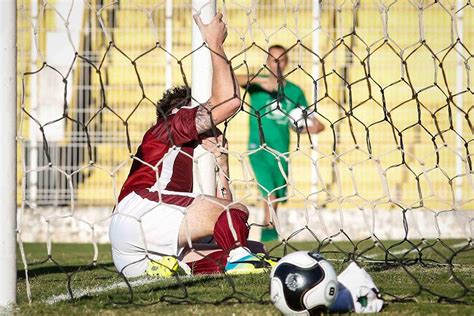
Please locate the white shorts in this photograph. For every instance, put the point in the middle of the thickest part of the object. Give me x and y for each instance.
(140, 226)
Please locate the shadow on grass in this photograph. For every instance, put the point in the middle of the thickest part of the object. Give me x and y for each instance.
(175, 293)
(56, 268)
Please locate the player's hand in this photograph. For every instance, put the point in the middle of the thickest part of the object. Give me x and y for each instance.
(269, 84)
(214, 33)
(216, 146)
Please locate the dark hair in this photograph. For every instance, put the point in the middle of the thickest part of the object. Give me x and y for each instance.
(173, 98)
(278, 47)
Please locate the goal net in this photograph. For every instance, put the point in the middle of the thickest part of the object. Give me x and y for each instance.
(388, 183)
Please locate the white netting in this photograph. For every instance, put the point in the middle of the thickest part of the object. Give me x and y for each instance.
(391, 82)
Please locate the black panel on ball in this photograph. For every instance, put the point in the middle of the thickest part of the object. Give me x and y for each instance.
(297, 281)
(318, 310)
(316, 256)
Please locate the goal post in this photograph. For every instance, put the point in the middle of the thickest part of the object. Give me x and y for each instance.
(8, 156)
(201, 92)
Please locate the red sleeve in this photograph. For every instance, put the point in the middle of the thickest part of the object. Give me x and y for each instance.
(177, 129)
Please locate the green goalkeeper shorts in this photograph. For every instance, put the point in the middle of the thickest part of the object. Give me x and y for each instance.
(269, 173)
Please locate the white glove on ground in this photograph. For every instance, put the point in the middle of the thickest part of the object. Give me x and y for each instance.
(363, 290)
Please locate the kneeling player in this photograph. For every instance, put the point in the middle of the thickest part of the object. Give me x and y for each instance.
(157, 215)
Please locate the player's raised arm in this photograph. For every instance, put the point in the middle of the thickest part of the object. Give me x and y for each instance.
(225, 97)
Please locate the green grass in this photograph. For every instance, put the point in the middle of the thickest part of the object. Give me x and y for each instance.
(242, 295)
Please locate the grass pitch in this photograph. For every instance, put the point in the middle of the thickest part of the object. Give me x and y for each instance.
(408, 290)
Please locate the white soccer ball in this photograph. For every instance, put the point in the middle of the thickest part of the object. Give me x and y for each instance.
(297, 119)
(303, 283)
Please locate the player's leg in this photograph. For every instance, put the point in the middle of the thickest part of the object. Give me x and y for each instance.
(262, 163)
(201, 250)
(270, 206)
(227, 223)
(142, 230)
(272, 186)
(207, 259)
(206, 216)
(210, 216)
(278, 193)
(269, 232)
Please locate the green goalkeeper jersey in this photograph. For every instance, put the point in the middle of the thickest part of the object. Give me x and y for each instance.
(273, 108)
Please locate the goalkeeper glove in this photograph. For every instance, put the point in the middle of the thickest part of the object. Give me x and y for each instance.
(357, 292)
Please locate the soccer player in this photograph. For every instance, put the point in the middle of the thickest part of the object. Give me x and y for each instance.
(271, 98)
(157, 216)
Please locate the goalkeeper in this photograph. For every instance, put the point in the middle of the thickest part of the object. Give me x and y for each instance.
(272, 98)
(158, 218)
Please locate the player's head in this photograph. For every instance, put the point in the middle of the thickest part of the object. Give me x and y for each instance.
(173, 98)
(277, 55)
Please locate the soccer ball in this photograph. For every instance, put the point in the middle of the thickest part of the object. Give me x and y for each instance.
(297, 119)
(303, 283)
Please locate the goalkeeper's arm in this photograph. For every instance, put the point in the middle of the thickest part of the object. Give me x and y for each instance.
(357, 292)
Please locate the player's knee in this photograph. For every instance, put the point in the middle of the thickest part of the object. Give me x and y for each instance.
(241, 207)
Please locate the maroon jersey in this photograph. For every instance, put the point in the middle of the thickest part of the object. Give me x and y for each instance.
(168, 146)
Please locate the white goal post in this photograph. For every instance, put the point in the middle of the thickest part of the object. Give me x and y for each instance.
(8, 107)
(201, 92)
